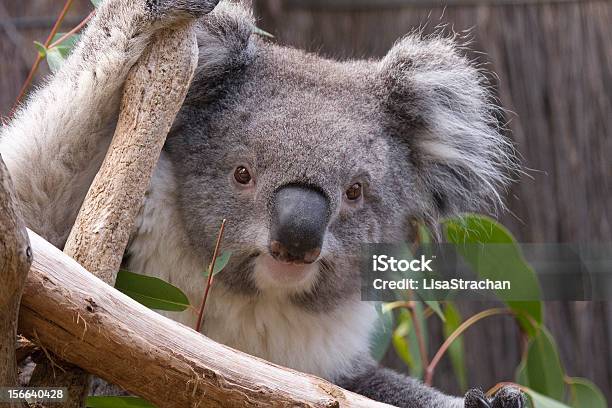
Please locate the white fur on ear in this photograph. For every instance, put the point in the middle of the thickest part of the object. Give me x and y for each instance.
(437, 102)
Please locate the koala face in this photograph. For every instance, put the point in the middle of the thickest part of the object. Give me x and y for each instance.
(298, 163)
(309, 158)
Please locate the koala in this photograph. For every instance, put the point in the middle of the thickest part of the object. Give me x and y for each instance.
(307, 158)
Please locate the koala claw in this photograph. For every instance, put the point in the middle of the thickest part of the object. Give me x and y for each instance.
(507, 397)
(475, 398)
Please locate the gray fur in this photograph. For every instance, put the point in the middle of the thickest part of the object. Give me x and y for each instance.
(382, 384)
(416, 129)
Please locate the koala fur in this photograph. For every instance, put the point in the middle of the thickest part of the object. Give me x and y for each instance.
(415, 129)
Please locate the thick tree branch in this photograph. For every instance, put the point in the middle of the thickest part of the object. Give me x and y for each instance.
(92, 325)
(153, 94)
(15, 259)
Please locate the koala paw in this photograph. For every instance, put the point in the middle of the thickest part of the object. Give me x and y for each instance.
(507, 397)
(191, 8)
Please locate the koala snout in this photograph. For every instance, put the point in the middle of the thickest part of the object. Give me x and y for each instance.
(297, 227)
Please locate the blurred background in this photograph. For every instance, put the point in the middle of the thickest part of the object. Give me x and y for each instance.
(552, 61)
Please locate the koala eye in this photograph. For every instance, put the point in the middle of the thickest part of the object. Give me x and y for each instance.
(242, 175)
(354, 192)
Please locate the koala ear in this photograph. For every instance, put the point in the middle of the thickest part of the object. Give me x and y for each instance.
(435, 101)
(225, 46)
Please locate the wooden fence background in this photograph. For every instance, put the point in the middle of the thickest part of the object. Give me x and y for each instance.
(553, 61)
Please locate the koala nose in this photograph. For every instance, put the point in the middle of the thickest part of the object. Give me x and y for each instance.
(299, 221)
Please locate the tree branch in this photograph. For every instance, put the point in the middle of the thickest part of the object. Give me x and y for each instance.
(92, 325)
(15, 259)
(153, 94)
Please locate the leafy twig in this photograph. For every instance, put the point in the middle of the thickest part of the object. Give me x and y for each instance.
(211, 268)
(73, 31)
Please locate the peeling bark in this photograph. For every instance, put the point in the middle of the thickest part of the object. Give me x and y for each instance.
(90, 324)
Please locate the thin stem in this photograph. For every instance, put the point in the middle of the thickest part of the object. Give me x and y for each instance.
(34, 68)
(211, 268)
(73, 31)
(419, 333)
(429, 371)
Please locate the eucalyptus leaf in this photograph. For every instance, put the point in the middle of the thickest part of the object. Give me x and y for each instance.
(400, 342)
(41, 49)
(389, 306)
(435, 306)
(67, 44)
(541, 401)
(151, 292)
(117, 402)
(585, 394)
(262, 33)
(55, 60)
(220, 262)
(543, 366)
(521, 374)
(406, 341)
(57, 55)
(381, 335)
(470, 234)
(456, 351)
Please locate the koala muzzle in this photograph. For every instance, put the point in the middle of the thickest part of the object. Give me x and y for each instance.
(299, 220)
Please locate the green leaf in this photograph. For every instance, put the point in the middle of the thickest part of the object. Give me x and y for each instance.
(67, 43)
(55, 60)
(66, 46)
(96, 3)
(40, 47)
(543, 366)
(381, 335)
(58, 54)
(151, 292)
(400, 342)
(541, 401)
(389, 306)
(413, 339)
(117, 402)
(456, 350)
(585, 394)
(220, 262)
(498, 262)
(406, 342)
(262, 33)
(435, 306)
(521, 373)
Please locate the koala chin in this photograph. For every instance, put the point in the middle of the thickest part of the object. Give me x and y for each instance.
(271, 275)
(307, 158)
